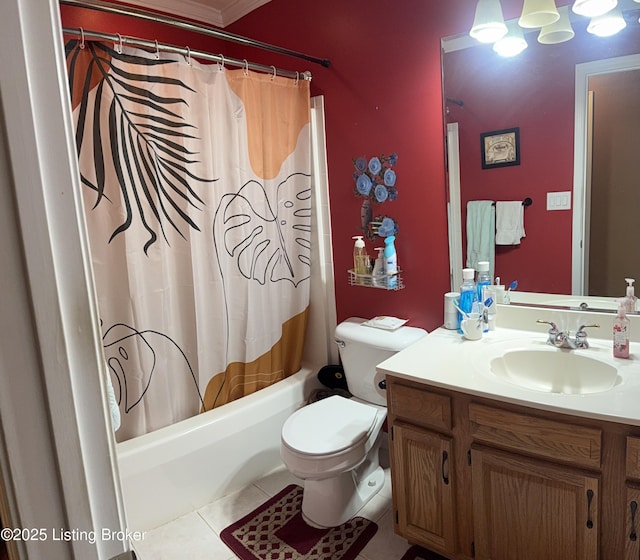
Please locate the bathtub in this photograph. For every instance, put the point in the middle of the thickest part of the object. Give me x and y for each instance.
(172, 471)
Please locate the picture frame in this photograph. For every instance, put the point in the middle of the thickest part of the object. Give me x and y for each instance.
(500, 148)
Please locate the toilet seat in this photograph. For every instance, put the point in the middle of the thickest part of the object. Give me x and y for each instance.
(329, 426)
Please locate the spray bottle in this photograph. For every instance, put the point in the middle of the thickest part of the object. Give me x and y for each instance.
(390, 261)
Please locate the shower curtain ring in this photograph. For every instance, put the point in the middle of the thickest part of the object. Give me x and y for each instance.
(119, 47)
(82, 45)
(221, 64)
(157, 50)
(188, 57)
(297, 78)
(246, 67)
(274, 73)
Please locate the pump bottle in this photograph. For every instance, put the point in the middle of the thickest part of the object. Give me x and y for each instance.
(630, 299)
(361, 261)
(621, 331)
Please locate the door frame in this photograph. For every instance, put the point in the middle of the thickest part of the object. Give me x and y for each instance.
(57, 449)
(582, 163)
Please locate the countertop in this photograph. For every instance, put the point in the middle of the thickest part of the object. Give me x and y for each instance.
(445, 359)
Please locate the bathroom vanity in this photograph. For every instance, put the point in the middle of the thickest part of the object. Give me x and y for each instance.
(488, 466)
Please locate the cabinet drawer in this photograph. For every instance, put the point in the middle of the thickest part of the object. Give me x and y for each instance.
(538, 436)
(633, 457)
(420, 407)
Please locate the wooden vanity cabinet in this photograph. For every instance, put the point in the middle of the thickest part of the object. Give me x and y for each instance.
(529, 509)
(483, 479)
(632, 527)
(632, 530)
(423, 485)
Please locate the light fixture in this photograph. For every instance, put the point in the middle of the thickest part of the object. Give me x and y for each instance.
(593, 8)
(538, 13)
(513, 43)
(557, 32)
(488, 24)
(607, 24)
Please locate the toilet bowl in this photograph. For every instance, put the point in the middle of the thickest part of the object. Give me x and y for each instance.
(333, 444)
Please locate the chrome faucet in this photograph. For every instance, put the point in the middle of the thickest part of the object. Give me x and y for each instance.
(561, 339)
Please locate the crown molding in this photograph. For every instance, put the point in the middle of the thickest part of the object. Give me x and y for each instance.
(218, 13)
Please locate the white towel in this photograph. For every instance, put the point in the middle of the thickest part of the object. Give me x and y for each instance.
(114, 409)
(480, 233)
(509, 222)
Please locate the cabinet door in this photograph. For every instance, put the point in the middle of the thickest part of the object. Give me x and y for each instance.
(632, 536)
(421, 469)
(531, 510)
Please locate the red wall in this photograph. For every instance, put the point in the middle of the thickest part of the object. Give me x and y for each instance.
(382, 95)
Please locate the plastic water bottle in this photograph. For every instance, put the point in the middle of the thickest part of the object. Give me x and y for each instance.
(483, 280)
(468, 292)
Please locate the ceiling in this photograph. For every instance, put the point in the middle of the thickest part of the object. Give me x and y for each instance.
(218, 13)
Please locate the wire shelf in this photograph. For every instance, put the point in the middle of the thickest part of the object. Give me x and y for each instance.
(393, 282)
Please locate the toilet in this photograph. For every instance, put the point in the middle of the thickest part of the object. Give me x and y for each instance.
(333, 444)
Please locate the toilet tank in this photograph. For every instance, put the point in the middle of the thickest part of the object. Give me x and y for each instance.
(362, 348)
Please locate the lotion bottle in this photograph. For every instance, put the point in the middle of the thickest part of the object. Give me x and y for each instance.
(621, 331)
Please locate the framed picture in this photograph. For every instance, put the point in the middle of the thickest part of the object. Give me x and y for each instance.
(500, 148)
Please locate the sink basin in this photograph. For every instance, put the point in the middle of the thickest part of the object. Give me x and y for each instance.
(552, 370)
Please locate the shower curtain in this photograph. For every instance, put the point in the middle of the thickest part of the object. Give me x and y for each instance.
(196, 190)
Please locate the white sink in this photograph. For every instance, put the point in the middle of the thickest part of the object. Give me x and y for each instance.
(553, 370)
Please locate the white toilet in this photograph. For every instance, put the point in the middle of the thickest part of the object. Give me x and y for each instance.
(333, 444)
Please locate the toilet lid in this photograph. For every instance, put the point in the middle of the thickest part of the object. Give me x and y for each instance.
(328, 426)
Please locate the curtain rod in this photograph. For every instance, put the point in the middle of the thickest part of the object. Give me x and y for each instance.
(189, 26)
(185, 51)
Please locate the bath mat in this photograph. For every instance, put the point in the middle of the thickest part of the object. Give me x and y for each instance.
(419, 553)
(277, 531)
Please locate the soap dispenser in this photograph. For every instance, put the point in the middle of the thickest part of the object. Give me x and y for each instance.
(361, 261)
(621, 331)
(631, 299)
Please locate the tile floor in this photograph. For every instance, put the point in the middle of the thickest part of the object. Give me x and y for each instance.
(195, 536)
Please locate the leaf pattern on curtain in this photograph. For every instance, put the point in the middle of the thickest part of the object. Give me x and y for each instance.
(255, 240)
(144, 149)
(118, 340)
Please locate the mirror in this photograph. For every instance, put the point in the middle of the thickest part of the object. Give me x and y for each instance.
(537, 93)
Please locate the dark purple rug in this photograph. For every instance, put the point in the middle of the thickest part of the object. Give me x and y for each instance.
(277, 531)
(419, 553)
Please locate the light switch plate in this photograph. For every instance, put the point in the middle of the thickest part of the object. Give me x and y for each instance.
(559, 200)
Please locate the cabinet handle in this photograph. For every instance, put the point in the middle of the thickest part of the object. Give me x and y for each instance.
(633, 536)
(589, 500)
(445, 457)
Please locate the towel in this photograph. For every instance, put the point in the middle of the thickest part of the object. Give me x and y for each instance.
(481, 233)
(114, 409)
(509, 222)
